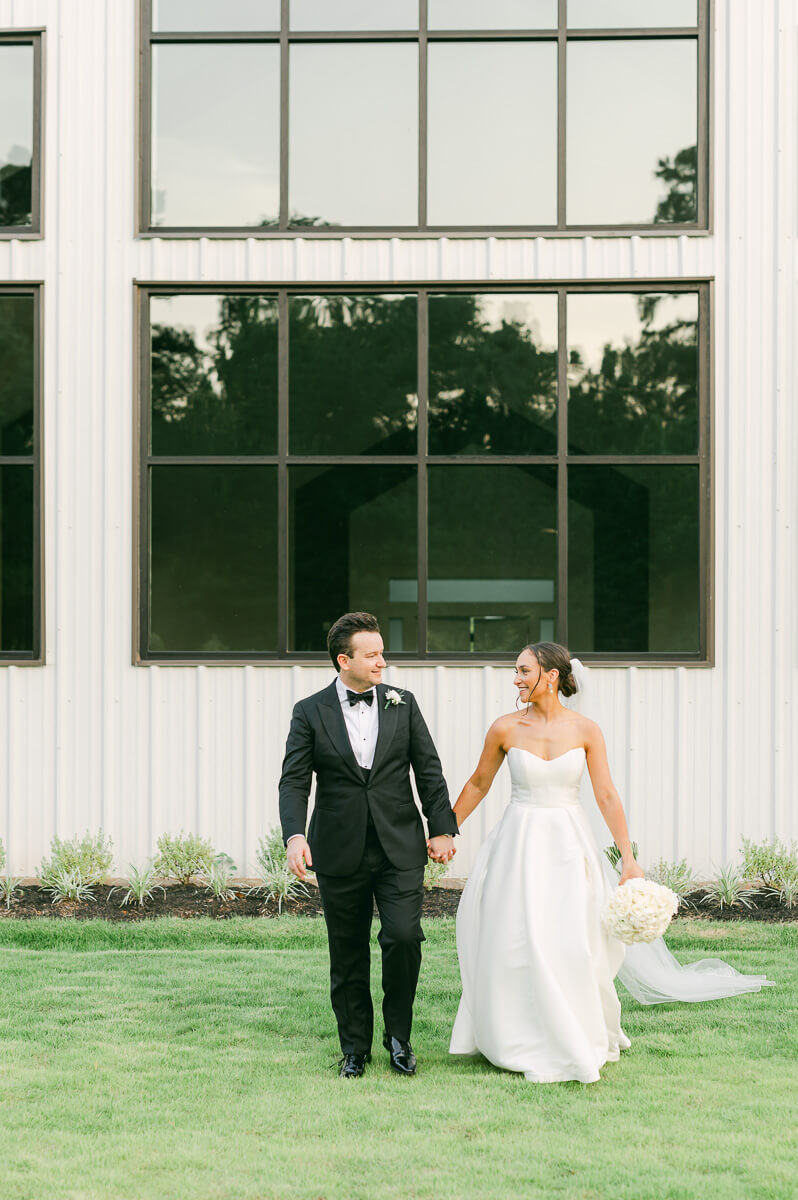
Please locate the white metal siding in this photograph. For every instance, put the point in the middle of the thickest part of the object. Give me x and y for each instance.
(699, 755)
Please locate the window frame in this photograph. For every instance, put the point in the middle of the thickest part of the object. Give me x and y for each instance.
(36, 656)
(703, 459)
(35, 38)
(701, 33)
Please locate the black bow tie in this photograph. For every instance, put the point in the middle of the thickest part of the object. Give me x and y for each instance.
(354, 697)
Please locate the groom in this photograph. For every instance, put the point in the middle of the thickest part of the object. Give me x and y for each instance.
(366, 840)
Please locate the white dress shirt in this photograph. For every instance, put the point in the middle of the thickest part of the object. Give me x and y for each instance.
(362, 725)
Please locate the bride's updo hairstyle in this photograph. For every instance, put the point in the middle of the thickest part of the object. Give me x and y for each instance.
(553, 657)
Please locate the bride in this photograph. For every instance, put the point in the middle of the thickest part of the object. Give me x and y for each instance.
(536, 964)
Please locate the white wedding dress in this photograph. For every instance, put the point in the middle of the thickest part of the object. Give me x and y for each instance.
(536, 964)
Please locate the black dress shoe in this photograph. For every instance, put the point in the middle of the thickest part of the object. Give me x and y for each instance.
(403, 1059)
(352, 1066)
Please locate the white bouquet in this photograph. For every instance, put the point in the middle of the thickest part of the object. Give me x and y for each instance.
(640, 911)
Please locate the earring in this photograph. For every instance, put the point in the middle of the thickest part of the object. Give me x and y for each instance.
(551, 689)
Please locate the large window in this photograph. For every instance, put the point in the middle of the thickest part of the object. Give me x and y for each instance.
(20, 134)
(20, 572)
(353, 115)
(479, 467)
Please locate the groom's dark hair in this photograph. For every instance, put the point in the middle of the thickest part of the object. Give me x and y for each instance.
(339, 638)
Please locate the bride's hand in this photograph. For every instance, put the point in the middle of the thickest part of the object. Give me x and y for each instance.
(631, 870)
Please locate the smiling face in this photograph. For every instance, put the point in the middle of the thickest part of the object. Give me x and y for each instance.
(531, 680)
(363, 667)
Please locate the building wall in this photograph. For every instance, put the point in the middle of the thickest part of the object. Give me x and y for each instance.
(700, 755)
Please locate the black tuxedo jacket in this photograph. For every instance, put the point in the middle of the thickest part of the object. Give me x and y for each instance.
(318, 741)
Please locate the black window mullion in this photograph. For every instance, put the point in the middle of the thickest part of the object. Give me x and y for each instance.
(422, 113)
(38, 480)
(703, 174)
(145, 114)
(283, 334)
(284, 126)
(36, 149)
(562, 466)
(145, 473)
(706, 515)
(562, 56)
(423, 488)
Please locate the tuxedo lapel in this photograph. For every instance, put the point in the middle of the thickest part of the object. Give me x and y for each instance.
(333, 720)
(388, 718)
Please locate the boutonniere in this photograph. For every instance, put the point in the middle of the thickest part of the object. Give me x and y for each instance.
(393, 697)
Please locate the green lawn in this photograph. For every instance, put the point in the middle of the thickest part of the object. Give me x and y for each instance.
(172, 1060)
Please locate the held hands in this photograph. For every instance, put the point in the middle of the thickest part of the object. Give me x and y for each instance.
(298, 855)
(441, 848)
(631, 870)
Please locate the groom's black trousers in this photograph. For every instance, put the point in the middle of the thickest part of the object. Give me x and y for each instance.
(348, 906)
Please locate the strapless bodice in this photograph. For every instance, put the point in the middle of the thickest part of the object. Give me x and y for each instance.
(545, 783)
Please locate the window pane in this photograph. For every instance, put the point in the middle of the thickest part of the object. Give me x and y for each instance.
(633, 577)
(214, 374)
(633, 373)
(353, 374)
(16, 134)
(492, 133)
(16, 559)
(353, 547)
(492, 14)
(493, 374)
(230, 16)
(329, 15)
(213, 559)
(354, 134)
(216, 134)
(492, 558)
(16, 374)
(632, 132)
(631, 14)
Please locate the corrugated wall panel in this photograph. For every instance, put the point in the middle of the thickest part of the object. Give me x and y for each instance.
(700, 755)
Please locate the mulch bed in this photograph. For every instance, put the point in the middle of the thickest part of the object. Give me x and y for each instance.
(177, 900)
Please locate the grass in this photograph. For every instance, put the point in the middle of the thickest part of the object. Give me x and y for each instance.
(171, 1060)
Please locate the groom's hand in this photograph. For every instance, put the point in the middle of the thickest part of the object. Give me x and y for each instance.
(298, 854)
(441, 848)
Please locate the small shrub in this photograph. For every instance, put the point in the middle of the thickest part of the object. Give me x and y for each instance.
(218, 881)
(9, 886)
(731, 889)
(787, 888)
(141, 885)
(278, 882)
(769, 861)
(66, 884)
(88, 858)
(674, 875)
(433, 872)
(614, 854)
(183, 857)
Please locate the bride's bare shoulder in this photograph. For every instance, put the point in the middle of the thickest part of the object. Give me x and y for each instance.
(502, 726)
(589, 730)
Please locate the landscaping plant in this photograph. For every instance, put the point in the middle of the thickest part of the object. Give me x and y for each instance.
(769, 861)
(183, 857)
(433, 872)
(88, 858)
(9, 886)
(67, 884)
(677, 876)
(277, 881)
(731, 889)
(141, 885)
(218, 879)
